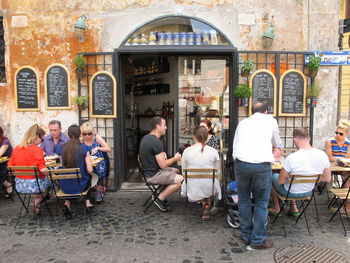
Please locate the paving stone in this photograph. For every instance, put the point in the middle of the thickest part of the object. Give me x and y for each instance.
(119, 231)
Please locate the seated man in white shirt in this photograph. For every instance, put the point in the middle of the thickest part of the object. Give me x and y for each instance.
(305, 161)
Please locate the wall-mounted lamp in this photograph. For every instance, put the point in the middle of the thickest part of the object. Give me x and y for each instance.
(268, 37)
(80, 28)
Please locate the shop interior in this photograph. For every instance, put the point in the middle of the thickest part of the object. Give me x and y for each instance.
(183, 90)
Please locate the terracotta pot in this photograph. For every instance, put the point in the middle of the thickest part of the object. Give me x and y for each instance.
(82, 107)
(80, 73)
(245, 73)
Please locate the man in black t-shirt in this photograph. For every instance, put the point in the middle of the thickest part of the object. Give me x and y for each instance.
(155, 163)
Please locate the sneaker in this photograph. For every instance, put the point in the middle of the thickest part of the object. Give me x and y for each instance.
(266, 244)
(160, 205)
(165, 202)
(98, 196)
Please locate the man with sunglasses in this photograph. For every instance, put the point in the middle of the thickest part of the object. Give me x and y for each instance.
(54, 139)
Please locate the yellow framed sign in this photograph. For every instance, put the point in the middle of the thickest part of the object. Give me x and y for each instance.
(264, 89)
(27, 92)
(57, 87)
(103, 95)
(292, 91)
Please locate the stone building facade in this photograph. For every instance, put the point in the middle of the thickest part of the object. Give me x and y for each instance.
(39, 33)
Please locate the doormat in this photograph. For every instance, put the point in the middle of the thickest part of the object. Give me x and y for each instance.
(305, 253)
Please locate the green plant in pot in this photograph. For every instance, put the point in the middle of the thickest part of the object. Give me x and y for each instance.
(312, 94)
(243, 92)
(248, 65)
(311, 69)
(81, 102)
(80, 64)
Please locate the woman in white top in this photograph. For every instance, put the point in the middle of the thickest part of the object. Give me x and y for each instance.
(200, 155)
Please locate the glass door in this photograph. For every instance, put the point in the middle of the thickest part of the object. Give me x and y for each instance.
(203, 94)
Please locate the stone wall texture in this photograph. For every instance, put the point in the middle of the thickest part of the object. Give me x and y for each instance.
(40, 32)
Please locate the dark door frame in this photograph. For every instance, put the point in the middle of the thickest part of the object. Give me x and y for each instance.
(119, 73)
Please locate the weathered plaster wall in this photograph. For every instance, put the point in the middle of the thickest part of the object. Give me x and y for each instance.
(40, 32)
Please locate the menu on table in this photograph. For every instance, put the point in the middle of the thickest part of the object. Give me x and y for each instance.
(103, 95)
(292, 93)
(27, 91)
(57, 87)
(263, 85)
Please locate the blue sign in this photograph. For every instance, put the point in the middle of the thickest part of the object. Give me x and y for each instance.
(332, 58)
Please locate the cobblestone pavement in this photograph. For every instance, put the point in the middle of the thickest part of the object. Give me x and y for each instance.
(119, 231)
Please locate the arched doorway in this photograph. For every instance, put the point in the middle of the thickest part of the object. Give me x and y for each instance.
(178, 67)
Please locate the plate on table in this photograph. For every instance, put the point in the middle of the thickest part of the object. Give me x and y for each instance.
(51, 157)
(50, 162)
(93, 157)
(343, 162)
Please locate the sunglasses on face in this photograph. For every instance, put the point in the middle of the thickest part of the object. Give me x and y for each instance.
(339, 133)
(87, 134)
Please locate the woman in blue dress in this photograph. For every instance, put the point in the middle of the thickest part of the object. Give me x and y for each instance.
(96, 146)
(74, 154)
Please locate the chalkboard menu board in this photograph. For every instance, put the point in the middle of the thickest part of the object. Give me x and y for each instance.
(103, 95)
(292, 93)
(263, 84)
(27, 91)
(57, 87)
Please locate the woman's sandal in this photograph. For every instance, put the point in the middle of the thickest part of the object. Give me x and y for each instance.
(293, 214)
(9, 194)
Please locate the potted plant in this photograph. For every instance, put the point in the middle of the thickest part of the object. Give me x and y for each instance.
(313, 92)
(243, 92)
(80, 63)
(248, 65)
(81, 102)
(311, 69)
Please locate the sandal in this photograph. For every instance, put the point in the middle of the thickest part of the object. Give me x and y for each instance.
(293, 214)
(273, 212)
(206, 212)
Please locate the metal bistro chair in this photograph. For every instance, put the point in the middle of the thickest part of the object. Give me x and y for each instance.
(341, 196)
(199, 173)
(299, 179)
(64, 174)
(21, 171)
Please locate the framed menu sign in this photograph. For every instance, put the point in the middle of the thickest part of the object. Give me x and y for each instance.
(57, 87)
(27, 91)
(292, 93)
(263, 83)
(103, 95)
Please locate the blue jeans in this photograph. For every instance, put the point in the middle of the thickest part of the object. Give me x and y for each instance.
(253, 179)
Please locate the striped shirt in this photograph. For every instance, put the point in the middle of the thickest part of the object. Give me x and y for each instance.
(338, 151)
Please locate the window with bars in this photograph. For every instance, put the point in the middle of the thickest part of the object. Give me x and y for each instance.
(2, 53)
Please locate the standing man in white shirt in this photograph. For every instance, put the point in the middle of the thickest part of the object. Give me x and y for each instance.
(256, 146)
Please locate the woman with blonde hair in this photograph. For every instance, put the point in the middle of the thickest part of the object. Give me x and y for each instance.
(28, 153)
(96, 146)
(200, 155)
(337, 147)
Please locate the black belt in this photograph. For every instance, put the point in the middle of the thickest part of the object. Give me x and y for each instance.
(239, 161)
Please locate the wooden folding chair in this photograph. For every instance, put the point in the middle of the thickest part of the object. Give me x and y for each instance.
(24, 171)
(305, 201)
(341, 196)
(64, 174)
(199, 173)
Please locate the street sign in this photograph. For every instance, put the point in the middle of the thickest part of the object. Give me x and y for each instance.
(331, 58)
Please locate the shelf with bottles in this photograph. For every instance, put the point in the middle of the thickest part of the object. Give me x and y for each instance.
(152, 89)
(154, 68)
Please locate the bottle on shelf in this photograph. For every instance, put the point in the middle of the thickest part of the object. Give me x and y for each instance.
(171, 113)
(164, 110)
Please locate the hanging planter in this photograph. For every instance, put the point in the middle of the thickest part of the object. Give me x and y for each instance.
(243, 92)
(313, 92)
(311, 69)
(81, 102)
(80, 63)
(248, 65)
